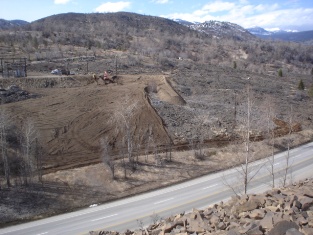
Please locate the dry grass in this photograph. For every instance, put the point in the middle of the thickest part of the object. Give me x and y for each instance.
(67, 190)
(184, 166)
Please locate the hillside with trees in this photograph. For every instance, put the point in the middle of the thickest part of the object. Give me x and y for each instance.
(74, 34)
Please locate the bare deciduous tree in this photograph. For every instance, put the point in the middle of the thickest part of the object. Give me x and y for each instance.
(148, 139)
(168, 150)
(287, 168)
(268, 108)
(4, 145)
(39, 152)
(29, 136)
(106, 156)
(123, 120)
(248, 119)
(200, 134)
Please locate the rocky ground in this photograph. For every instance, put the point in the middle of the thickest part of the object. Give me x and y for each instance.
(215, 99)
(285, 211)
(14, 93)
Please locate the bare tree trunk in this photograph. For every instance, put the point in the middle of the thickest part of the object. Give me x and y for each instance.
(38, 156)
(122, 120)
(106, 157)
(29, 137)
(3, 145)
(148, 140)
(287, 158)
(269, 111)
(246, 172)
(273, 161)
(124, 167)
(169, 151)
(123, 153)
(286, 170)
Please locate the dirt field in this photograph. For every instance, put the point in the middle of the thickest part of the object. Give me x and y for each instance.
(72, 119)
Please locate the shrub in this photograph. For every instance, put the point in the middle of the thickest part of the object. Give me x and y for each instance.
(301, 85)
(310, 91)
(280, 72)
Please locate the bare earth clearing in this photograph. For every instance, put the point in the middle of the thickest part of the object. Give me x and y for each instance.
(72, 118)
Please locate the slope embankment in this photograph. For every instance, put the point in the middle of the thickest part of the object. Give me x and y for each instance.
(72, 114)
(167, 93)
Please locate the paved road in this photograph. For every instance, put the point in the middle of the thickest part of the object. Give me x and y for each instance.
(145, 208)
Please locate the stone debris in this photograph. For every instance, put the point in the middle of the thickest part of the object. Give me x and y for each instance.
(14, 93)
(287, 211)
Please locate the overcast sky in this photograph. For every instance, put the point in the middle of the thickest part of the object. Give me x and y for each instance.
(269, 14)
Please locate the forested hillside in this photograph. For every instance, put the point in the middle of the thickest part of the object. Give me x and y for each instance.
(140, 36)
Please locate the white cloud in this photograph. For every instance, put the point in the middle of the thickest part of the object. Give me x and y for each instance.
(191, 17)
(218, 6)
(248, 14)
(244, 1)
(282, 19)
(113, 6)
(272, 29)
(61, 1)
(161, 1)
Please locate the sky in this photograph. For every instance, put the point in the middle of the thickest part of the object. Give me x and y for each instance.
(268, 14)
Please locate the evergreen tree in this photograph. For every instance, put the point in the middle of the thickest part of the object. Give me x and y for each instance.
(280, 73)
(301, 85)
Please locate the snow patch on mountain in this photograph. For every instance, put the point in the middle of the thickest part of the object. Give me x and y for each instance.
(269, 31)
(219, 29)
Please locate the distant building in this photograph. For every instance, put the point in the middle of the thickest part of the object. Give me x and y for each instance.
(13, 67)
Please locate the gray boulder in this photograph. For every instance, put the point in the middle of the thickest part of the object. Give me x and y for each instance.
(282, 227)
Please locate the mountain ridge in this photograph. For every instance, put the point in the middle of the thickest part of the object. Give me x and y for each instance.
(221, 29)
(8, 24)
(284, 35)
(160, 39)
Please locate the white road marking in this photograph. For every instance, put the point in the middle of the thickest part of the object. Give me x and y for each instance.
(104, 217)
(211, 186)
(164, 201)
(42, 233)
(277, 163)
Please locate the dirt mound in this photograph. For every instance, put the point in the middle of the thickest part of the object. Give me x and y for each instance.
(283, 127)
(48, 81)
(72, 120)
(166, 93)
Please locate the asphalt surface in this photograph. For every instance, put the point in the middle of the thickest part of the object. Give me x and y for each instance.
(144, 209)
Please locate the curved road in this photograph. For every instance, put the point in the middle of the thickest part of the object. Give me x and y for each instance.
(143, 209)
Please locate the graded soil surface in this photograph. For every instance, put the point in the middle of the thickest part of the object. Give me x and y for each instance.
(74, 114)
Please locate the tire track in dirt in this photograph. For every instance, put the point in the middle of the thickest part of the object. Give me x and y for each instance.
(71, 121)
(86, 130)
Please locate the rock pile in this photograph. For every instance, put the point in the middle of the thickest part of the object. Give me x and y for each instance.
(14, 93)
(287, 211)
